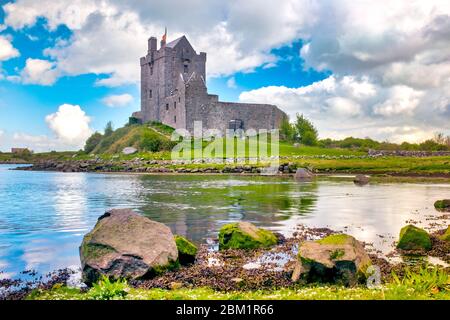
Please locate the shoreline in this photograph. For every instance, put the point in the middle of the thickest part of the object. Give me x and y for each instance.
(376, 176)
(229, 276)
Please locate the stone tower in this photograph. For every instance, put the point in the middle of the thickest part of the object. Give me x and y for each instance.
(163, 73)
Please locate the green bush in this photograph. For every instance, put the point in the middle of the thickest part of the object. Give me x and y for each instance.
(106, 289)
(92, 142)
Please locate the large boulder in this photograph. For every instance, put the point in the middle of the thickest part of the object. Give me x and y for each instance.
(413, 238)
(303, 174)
(129, 150)
(186, 250)
(338, 258)
(442, 204)
(446, 235)
(124, 244)
(244, 235)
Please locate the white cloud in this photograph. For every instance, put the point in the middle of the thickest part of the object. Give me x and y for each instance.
(70, 124)
(389, 59)
(354, 106)
(231, 83)
(2, 27)
(39, 71)
(70, 128)
(402, 100)
(122, 100)
(7, 51)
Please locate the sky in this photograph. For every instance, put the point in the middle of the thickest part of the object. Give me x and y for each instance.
(354, 67)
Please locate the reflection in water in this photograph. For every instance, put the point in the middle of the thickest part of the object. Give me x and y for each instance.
(44, 215)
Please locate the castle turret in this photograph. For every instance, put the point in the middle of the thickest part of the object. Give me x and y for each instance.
(152, 42)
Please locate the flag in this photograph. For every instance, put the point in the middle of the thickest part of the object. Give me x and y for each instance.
(164, 37)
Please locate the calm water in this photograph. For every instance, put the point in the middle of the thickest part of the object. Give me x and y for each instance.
(44, 215)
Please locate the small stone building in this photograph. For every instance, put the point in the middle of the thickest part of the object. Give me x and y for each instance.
(173, 92)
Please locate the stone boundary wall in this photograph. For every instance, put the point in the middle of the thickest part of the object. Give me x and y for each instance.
(407, 153)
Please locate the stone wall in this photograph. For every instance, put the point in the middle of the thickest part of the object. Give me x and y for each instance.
(407, 153)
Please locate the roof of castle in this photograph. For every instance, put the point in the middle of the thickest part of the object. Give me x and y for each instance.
(173, 43)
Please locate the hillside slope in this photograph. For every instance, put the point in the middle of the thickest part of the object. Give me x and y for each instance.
(145, 138)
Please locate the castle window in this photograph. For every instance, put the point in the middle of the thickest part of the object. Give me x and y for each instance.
(179, 99)
(167, 106)
(186, 68)
(175, 105)
(151, 70)
(150, 94)
(236, 124)
(175, 119)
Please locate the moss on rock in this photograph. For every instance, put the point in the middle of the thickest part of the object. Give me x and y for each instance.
(186, 250)
(414, 238)
(244, 235)
(442, 204)
(337, 258)
(337, 239)
(446, 235)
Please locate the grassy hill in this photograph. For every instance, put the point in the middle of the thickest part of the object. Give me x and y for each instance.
(145, 138)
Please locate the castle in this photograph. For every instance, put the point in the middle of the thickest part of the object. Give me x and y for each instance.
(173, 92)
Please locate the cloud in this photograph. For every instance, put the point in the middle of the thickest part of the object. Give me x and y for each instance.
(389, 59)
(70, 124)
(37, 71)
(402, 100)
(122, 29)
(113, 101)
(355, 106)
(231, 83)
(7, 51)
(70, 128)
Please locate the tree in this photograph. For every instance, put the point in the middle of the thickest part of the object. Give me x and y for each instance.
(109, 129)
(92, 142)
(287, 131)
(305, 131)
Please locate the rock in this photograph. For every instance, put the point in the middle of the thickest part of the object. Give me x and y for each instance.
(338, 258)
(124, 244)
(129, 150)
(361, 179)
(303, 174)
(186, 250)
(446, 235)
(442, 204)
(413, 238)
(244, 235)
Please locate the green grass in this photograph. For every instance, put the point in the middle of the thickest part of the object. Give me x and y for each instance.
(424, 284)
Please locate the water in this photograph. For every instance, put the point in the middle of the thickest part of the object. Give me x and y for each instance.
(44, 215)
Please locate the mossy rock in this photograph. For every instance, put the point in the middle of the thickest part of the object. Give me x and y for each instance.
(338, 258)
(414, 238)
(244, 235)
(186, 250)
(124, 244)
(442, 204)
(446, 235)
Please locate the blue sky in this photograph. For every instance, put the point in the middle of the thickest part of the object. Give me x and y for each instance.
(379, 77)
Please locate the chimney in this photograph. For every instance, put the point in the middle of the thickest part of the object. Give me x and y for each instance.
(152, 44)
